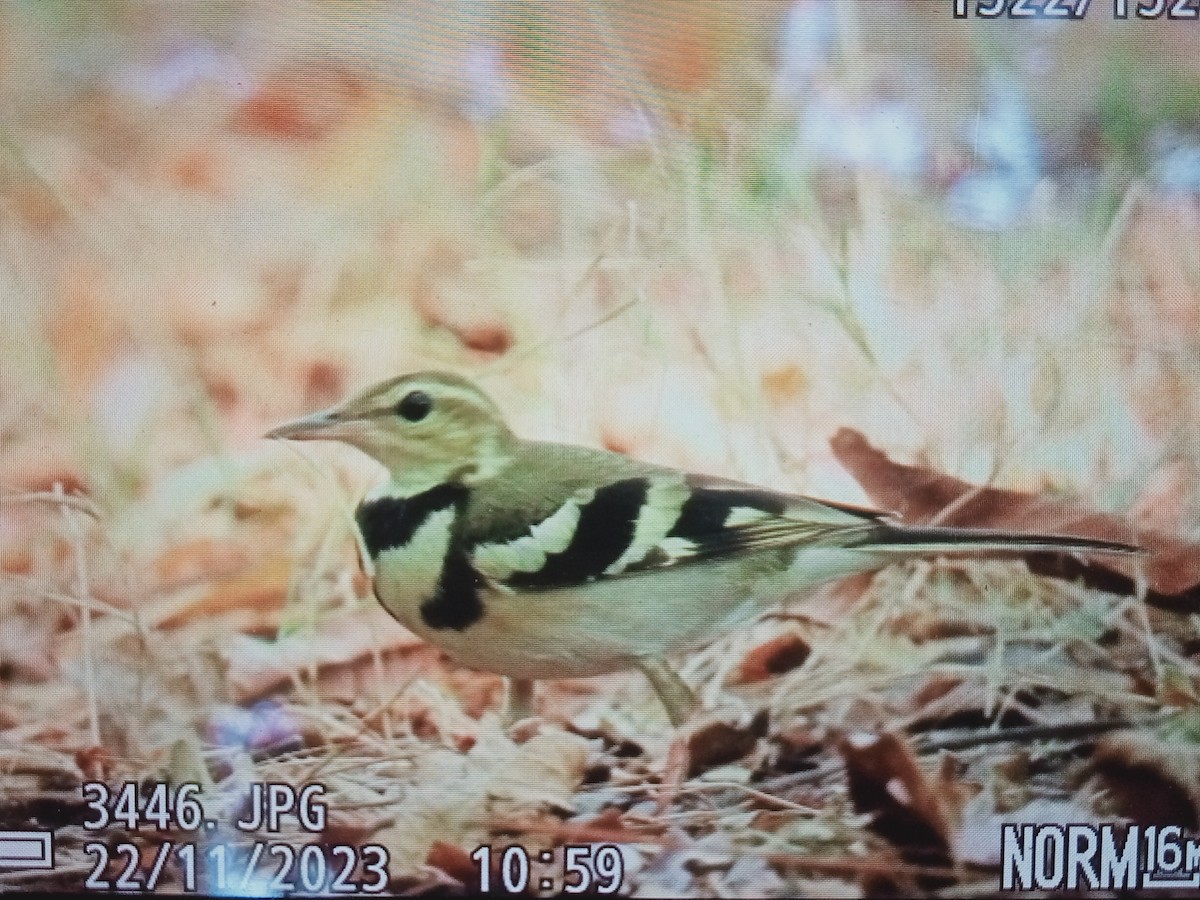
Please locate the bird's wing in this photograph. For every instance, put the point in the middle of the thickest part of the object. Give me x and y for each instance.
(557, 529)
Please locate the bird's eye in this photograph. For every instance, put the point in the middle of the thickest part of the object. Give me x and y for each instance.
(414, 406)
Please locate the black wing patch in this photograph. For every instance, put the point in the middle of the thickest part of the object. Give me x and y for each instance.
(717, 520)
(704, 521)
(649, 522)
(704, 514)
(605, 530)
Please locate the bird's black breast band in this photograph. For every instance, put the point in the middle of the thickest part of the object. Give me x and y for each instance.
(389, 523)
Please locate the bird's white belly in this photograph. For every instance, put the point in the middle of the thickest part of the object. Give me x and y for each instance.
(607, 624)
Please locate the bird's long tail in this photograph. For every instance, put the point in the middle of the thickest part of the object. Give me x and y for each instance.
(917, 539)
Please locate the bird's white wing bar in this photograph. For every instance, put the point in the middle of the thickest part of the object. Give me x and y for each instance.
(499, 561)
(665, 496)
(653, 521)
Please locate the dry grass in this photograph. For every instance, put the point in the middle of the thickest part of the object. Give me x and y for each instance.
(181, 600)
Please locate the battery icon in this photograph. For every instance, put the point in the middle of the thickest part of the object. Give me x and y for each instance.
(26, 850)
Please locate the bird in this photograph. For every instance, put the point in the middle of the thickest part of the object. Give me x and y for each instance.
(539, 560)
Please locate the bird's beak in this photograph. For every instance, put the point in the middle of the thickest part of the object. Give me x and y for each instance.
(315, 427)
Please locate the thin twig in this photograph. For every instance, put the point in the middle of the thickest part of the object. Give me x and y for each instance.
(31, 585)
(848, 865)
(957, 740)
(75, 501)
(83, 590)
(363, 725)
(695, 787)
(511, 359)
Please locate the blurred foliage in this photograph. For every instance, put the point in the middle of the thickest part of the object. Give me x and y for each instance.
(1136, 98)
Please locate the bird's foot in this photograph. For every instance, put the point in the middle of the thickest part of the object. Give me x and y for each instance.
(677, 698)
(518, 702)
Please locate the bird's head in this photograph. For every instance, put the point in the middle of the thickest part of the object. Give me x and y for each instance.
(426, 428)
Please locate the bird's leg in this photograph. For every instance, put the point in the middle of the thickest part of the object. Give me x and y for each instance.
(518, 700)
(672, 690)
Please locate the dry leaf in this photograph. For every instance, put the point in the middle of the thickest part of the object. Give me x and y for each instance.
(718, 742)
(684, 53)
(87, 325)
(608, 827)
(258, 667)
(923, 625)
(917, 494)
(262, 588)
(301, 104)
(95, 763)
(1149, 780)
(887, 783)
(797, 748)
(475, 326)
(27, 650)
(41, 464)
(774, 657)
(753, 876)
(784, 382)
(153, 689)
(456, 862)
(455, 798)
(201, 557)
(977, 839)
(946, 698)
(16, 561)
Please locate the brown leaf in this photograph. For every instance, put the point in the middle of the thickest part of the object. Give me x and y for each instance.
(1167, 496)
(834, 602)
(917, 494)
(935, 687)
(454, 861)
(263, 588)
(476, 327)
(924, 625)
(784, 382)
(301, 104)
(719, 742)
(16, 561)
(94, 762)
(256, 668)
(797, 748)
(324, 383)
(683, 56)
(27, 646)
(606, 827)
(200, 558)
(455, 797)
(40, 465)
(780, 654)
(1150, 781)
(38, 205)
(886, 782)
(87, 324)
